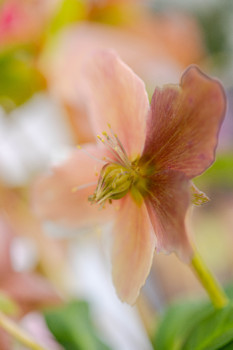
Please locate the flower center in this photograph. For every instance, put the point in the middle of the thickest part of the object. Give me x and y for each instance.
(120, 175)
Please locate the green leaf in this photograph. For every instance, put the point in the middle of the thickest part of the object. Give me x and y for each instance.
(219, 174)
(177, 322)
(20, 78)
(229, 291)
(196, 325)
(73, 328)
(213, 331)
(229, 346)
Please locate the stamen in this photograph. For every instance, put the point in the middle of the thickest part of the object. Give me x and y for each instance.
(77, 188)
(116, 155)
(118, 176)
(110, 160)
(90, 155)
(115, 146)
(100, 138)
(118, 140)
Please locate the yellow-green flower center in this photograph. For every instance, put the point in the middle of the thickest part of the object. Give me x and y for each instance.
(120, 176)
(115, 181)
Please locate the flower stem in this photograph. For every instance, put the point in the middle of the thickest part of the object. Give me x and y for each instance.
(19, 334)
(216, 293)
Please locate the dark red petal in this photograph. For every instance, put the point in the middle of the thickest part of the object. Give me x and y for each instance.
(184, 122)
(167, 205)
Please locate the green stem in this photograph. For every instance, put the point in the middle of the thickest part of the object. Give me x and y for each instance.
(19, 334)
(216, 293)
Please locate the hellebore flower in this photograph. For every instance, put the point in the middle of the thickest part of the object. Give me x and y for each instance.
(150, 155)
(155, 64)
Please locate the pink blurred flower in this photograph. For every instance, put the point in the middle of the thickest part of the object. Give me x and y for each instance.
(23, 21)
(29, 290)
(150, 155)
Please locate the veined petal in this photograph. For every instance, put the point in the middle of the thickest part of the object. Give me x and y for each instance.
(54, 197)
(133, 249)
(184, 123)
(117, 96)
(167, 207)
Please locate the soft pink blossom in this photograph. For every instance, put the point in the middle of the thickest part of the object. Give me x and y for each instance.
(29, 290)
(23, 21)
(155, 152)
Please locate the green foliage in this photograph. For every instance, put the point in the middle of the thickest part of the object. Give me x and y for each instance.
(178, 322)
(73, 328)
(214, 331)
(229, 346)
(219, 174)
(213, 29)
(20, 78)
(196, 325)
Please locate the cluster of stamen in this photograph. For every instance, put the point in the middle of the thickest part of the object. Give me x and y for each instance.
(114, 182)
(118, 175)
(115, 146)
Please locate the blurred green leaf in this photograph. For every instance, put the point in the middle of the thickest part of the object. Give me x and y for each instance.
(177, 322)
(213, 331)
(229, 346)
(229, 290)
(20, 78)
(220, 173)
(73, 328)
(196, 325)
(213, 29)
(215, 22)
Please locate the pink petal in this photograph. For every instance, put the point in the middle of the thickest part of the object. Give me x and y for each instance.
(6, 236)
(184, 123)
(30, 290)
(133, 249)
(5, 340)
(167, 205)
(118, 97)
(53, 197)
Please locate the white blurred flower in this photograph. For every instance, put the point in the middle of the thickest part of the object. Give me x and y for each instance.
(30, 138)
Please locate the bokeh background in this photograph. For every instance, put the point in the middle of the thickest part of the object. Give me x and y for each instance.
(43, 117)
